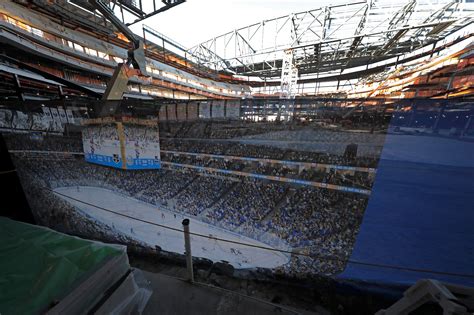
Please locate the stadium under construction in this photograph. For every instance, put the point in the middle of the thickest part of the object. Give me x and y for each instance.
(319, 162)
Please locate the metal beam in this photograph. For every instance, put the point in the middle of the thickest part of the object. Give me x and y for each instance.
(19, 90)
(320, 36)
(399, 19)
(155, 12)
(50, 76)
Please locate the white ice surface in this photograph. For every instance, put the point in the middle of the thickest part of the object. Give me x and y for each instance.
(169, 240)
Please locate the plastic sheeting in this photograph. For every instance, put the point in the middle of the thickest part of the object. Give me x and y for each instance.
(130, 298)
(39, 266)
(218, 109)
(420, 214)
(181, 111)
(233, 109)
(171, 111)
(204, 110)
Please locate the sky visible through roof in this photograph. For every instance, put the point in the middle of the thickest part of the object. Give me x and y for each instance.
(196, 21)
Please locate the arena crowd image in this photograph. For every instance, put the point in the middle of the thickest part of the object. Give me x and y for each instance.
(234, 190)
(313, 158)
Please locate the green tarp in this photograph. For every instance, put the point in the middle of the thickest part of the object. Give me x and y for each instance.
(38, 266)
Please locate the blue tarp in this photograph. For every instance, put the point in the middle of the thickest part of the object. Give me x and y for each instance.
(420, 214)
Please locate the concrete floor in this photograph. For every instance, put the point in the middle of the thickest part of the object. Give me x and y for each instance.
(175, 296)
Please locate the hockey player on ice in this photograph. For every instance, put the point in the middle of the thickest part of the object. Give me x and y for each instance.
(137, 150)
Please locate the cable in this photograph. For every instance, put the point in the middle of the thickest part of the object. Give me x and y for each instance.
(7, 172)
(444, 273)
(169, 227)
(420, 270)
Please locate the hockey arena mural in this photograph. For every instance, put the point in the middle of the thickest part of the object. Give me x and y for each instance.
(125, 143)
(289, 197)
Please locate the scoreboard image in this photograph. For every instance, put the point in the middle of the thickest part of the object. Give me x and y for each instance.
(126, 143)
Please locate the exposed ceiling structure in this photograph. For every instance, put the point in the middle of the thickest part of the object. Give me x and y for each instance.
(133, 11)
(329, 40)
(83, 13)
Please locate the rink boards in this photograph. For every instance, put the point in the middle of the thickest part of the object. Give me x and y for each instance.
(167, 239)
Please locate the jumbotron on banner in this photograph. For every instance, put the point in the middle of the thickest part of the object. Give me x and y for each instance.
(122, 142)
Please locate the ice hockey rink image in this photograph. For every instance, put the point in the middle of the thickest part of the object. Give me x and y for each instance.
(239, 256)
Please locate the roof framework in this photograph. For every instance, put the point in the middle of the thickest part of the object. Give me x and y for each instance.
(133, 11)
(331, 39)
(83, 13)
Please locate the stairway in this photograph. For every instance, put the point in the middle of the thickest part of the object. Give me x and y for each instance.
(221, 197)
(185, 186)
(287, 195)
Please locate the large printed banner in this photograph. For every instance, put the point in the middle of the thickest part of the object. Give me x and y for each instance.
(133, 145)
(204, 110)
(163, 115)
(218, 109)
(233, 109)
(192, 111)
(51, 119)
(181, 111)
(102, 145)
(171, 109)
(142, 147)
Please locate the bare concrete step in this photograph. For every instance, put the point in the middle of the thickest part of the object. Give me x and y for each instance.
(174, 296)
